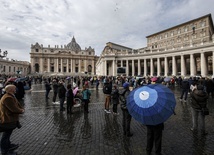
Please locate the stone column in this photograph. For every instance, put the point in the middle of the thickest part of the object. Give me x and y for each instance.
(79, 66)
(203, 65)
(183, 67)
(114, 68)
(41, 65)
(127, 67)
(133, 68)
(32, 65)
(139, 67)
(158, 67)
(61, 66)
(151, 67)
(48, 70)
(174, 66)
(121, 63)
(93, 67)
(192, 65)
(71, 66)
(67, 67)
(57, 65)
(145, 67)
(166, 66)
(85, 66)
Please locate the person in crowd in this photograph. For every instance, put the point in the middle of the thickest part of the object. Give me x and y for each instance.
(29, 82)
(86, 93)
(55, 89)
(47, 88)
(107, 89)
(20, 92)
(61, 95)
(115, 99)
(97, 81)
(70, 99)
(10, 109)
(154, 136)
(210, 87)
(126, 116)
(185, 89)
(193, 86)
(199, 101)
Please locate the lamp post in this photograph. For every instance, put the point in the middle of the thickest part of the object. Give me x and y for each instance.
(4, 54)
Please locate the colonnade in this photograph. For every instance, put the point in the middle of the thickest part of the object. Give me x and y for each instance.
(63, 65)
(191, 64)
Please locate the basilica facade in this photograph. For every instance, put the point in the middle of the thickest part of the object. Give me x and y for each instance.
(185, 50)
(68, 60)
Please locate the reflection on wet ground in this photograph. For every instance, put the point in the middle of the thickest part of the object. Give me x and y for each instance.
(47, 131)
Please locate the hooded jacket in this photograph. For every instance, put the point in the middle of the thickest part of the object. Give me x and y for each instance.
(199, 99)
(123, 98)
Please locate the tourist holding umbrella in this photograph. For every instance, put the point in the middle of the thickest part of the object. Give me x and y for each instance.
(152, 105)
(126, 115)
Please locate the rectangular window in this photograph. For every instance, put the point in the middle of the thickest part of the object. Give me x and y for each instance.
(179, 31)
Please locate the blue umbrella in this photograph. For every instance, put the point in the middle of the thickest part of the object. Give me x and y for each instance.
(22, 79)
(152, 104)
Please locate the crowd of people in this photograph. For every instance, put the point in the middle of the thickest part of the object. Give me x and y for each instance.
(63, 88)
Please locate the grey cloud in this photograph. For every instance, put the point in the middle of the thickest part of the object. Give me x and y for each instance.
(93, 23)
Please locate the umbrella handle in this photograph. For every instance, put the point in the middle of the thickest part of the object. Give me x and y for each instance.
(173, 111)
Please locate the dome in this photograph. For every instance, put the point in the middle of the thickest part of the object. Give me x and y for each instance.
(73, 45)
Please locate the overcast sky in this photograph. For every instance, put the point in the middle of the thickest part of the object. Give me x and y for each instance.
(92, 22)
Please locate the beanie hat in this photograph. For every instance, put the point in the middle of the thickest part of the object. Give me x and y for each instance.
(126, 85)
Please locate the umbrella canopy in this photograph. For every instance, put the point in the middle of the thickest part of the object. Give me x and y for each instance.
(167, 79)
(68, 78)
(21, 79)
(152, 104)
(154, 79)
(11, 79)
(57, 74)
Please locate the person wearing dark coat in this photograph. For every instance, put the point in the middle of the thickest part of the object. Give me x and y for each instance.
(115, 99)
(199, 101)
(70, 99)
(47, 89)
(154, 136)
(126, 115)
(210, 87)
(20, 91)
(55, 89)
(185, 89)
(61, 94)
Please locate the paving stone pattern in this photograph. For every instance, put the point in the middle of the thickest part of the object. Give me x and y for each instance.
(46, 131)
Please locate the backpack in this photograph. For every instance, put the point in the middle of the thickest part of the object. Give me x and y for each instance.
(106, 89)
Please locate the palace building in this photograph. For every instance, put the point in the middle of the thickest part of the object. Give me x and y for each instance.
(186, 49)
(69, 59)
(13, 67)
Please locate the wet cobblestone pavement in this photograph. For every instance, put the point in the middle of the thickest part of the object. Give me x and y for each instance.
(46, 131)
